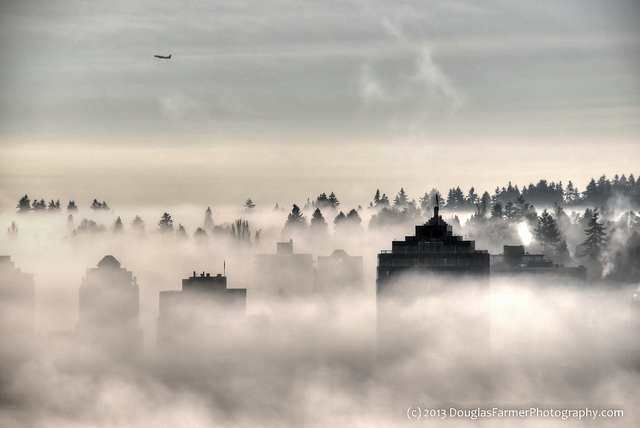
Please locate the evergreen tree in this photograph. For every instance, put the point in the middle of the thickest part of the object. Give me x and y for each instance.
(97, 206)
(497, 211)
(596, 237)
(137, 224)
(425, 202)
(72, 206)
(166, 223)
(54, 206)
(561, 255)
(117, 227)
(208, 219)
(181, 232)
(318, 225)
(401, 199)
(296, 223)
(200, 234)
(571, 194)
(24, 204)
(590, 194)
(472, 198)
(249, 205)
(333, 201)
(353, 218)
(376, 198)
(12, 231)
(547, 233)
(40, 205)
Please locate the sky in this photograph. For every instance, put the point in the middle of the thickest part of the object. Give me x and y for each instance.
(280, 101)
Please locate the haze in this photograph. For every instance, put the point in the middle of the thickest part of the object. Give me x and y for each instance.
(293, 97)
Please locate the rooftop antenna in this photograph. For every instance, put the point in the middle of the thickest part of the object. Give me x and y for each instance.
(224, 268)
(436, 208)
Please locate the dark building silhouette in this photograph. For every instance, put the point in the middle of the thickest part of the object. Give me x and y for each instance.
(17, 318)
(339, 271)
(514, 262)
(432, 289)
(205, 326)
(284, 273)
(109, 311)
(433, 250)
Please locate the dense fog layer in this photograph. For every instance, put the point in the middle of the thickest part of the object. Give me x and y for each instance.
(332, 358)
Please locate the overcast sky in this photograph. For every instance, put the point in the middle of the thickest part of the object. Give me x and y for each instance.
(282, 100)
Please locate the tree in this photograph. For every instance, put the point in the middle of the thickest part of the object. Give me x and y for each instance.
(181, 232)
(401, 199)
(497, 211)
(571, 194)
(376, 198)
(12, 231)
(455, 199)
(353, 218)
(249, 205)
(296, 223)
(318, 226)
(547, 233)
(166, 224)
(117, 227)
(472, 198)
(596, 237)
(24, 204)
(340, 218)
(96, 206)
(208, 219)
(72, 206)
(54, 206)
(40, 205)
(333, 201)
(240, 230)
(200, 234)
(562, 255)
(137, 224)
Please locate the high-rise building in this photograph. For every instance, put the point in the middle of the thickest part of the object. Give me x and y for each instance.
(429, 286)
(434, 249)
(17, 316)
(284, 273)
(109, 311)
(338, 272)
(203, 325)
(514, 262)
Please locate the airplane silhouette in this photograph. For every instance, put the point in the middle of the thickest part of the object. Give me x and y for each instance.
(163, 57)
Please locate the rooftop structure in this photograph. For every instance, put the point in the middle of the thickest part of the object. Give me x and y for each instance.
(203, 325)
(284, 273)
(515, 262)
(339, 271)
(434, 249)
(109, 309)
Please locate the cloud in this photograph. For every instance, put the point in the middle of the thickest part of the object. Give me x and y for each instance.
(409, 93)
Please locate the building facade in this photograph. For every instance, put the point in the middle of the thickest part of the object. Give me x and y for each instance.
(203, 326)
(515, 262)
(109, 311)
(284, 273)
(339, 272)
(433, 250)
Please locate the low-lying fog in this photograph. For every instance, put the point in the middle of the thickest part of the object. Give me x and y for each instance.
(318, 360)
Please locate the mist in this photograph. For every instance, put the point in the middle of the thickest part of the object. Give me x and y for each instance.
(304, 359)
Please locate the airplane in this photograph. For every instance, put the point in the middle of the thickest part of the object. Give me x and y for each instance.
(162, 57)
